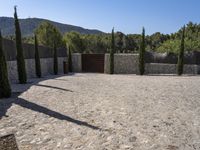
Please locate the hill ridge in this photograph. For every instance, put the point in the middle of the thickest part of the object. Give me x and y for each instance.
(28, 25)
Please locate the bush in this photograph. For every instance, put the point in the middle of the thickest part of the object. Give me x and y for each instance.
(69, 59)
(181, 54)
(55, 58)
(112, 51)
(5, 90)
(37, 60)
(141, 54)
(20, 55)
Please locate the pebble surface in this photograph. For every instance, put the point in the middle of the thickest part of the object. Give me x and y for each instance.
(104, 112)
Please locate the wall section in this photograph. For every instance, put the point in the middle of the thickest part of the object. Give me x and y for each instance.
(46, 68)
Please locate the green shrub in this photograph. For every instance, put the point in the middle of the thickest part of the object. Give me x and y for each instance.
(112, 51)
(180, 63)
(142, 53)
(5, 90)
(20, 55)
(37, 60)
(69, 59)
(55, 60)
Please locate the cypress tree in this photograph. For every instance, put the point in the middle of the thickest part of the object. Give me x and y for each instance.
(37, 60)
(142, 53)
(20, 56)
(69, 59)
(5, 90)
(112, 51)
(181, 54)
(55, 59)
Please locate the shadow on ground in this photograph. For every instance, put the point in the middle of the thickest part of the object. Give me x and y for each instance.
(5, 104)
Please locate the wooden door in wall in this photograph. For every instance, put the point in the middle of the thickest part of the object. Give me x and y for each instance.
(93, 63)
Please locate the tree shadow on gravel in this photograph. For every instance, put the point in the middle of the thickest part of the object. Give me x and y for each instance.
(61, 79)
(5, 104)
(48, 86)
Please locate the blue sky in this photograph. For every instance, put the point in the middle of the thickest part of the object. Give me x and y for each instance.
(128, 16)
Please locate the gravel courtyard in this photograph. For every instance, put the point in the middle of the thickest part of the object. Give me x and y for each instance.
(104, 112)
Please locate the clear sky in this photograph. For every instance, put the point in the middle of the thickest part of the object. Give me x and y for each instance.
(128, 16)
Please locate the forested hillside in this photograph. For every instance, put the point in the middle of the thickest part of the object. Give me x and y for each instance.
(30, 24)
(95, 41)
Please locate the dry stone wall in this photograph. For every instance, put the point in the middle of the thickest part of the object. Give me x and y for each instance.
(128, 64)
(46, 68)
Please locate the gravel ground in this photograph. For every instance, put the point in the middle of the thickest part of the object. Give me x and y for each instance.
(104, 112)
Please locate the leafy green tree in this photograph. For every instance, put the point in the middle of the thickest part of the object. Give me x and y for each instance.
(5, 90)
(142, 53)
(48, 35)
(181, 54)
(169, 46)
(96, 43)
(119, 41)
(75, 41)
(112, 52)
(20, 55)
(37, 60)
(133, 43)
(69, 59)
(191, 41)
(55, 60)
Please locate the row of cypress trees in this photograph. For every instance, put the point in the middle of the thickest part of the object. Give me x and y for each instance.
(20, 56)
(141, 66)
(5, 89)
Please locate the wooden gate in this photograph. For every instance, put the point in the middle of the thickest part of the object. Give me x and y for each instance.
(93, 63)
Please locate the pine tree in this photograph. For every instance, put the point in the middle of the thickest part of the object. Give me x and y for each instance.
(181, 54)
(69, 59)
(112, 51)
(5, 90)
(142, 53)
(37, 60)
(55, 58)
(20, 56)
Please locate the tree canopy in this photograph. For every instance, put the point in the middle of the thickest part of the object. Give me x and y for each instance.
(75, 41)
(48, 35)
(130, 43)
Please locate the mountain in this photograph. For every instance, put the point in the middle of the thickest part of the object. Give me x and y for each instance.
(30, 24)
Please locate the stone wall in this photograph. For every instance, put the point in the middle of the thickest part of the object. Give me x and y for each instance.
(76, 62)
(156, 68)
(192, 57)
(46, 67)
(123, 63)
(128, 64)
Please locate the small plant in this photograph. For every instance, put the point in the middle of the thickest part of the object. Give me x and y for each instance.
(55, 60)
(37, 60)
(112, 51)
(142, 53)
(69, 59)
(181, 54)
(20, 55)
(5, 90)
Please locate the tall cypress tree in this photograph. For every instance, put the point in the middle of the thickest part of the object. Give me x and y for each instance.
(55, 59)
(142, 53)
(181, 54)
(112, 51)
(5, 90)
(20, 55)
(37, 60)
(69, 59)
